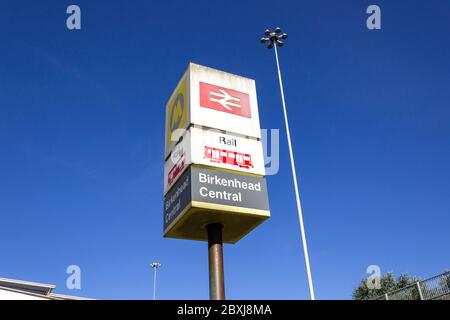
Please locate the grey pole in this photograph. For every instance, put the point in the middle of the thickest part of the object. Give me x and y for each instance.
(155, 266)
(275, 41)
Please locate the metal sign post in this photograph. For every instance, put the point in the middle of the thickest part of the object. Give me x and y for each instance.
(214, 185)
(215, 256)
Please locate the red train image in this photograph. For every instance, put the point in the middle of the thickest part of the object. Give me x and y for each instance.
(242, 160)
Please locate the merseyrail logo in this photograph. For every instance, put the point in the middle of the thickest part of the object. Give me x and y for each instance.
(176, 111)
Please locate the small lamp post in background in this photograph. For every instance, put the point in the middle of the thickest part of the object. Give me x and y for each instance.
(275, 40)
(154, 265)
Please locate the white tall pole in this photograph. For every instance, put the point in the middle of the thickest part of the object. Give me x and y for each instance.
(294, 176)
(154, 265)
(154, 283)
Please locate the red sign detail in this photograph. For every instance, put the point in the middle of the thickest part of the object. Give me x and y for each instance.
(175, 171)
(225, 100)
(242, 160)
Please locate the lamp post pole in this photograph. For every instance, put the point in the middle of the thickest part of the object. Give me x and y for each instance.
(155, 266)
(274, 38)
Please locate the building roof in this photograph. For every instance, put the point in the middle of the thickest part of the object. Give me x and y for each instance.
(34, 289)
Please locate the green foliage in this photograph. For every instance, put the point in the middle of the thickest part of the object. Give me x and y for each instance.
(387, 284)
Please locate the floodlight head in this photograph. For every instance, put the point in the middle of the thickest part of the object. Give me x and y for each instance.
(155, 265)
(273, 38)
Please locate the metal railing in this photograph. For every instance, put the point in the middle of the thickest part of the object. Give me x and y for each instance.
(428, 289)
(436, 286)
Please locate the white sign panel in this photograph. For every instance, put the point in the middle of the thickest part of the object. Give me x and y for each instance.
(214, 99)
(215, 149)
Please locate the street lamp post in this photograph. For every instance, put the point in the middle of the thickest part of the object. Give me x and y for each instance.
(275, 40)
(154, 265)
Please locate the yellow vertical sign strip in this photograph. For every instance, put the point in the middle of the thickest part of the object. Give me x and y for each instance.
(176, 116)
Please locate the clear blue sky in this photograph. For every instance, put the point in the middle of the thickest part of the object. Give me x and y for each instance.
(82, 131)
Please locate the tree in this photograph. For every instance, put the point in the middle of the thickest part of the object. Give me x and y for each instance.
(387, 284)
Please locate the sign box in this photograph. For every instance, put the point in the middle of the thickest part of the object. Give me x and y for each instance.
(202, 196)
(211, 98)
(213, 148)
